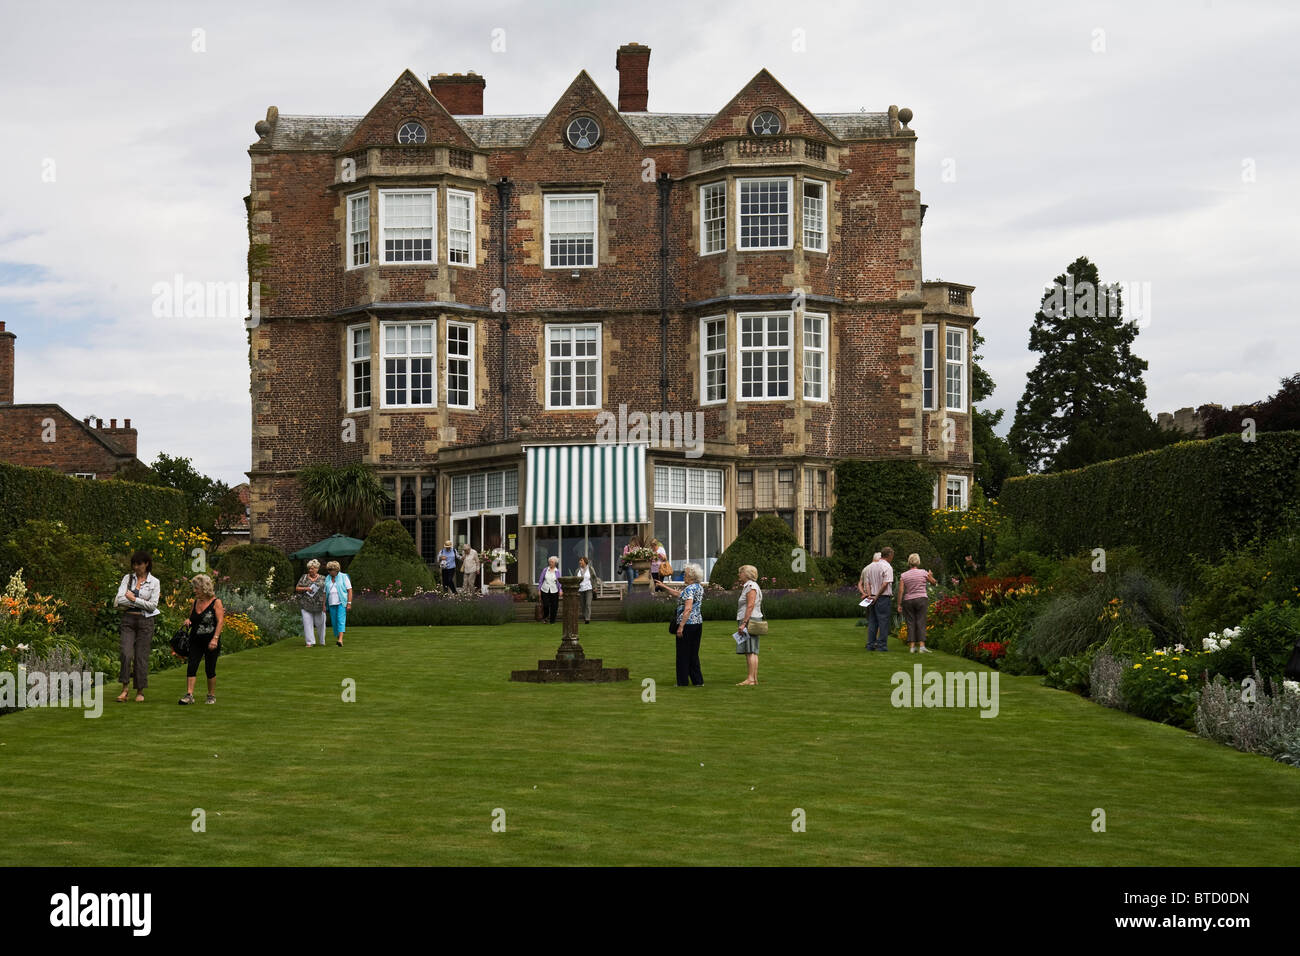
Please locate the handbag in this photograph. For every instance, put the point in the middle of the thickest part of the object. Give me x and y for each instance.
(180, 643)
(672, 625)
(758, 628)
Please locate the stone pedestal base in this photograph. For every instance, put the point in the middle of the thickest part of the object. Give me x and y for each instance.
(571, 664)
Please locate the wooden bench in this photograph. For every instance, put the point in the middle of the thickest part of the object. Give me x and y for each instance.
(611, 589)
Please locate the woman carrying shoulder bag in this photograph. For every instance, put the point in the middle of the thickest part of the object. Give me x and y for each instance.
(137, 598)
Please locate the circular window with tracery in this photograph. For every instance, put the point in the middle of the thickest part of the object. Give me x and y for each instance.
(583, 132)
(765, 123)
(412, 132)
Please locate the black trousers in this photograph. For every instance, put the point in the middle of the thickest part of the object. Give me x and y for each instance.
(199, 652)
(550, 605)
(449, 579)
(688, 656)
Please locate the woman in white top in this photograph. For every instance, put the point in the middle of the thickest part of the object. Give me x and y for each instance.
(586, 587)
(751, 608)
(469, 566)
(548, 585)
(138, 597)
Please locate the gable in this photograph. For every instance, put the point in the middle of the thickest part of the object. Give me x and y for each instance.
(406, 99)
(764, 92)
(584, 96)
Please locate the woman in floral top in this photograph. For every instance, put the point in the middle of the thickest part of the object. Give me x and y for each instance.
(690, 625)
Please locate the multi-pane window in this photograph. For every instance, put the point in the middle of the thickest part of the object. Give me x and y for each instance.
(814, 215)
(408, 364)
(460, 365)
(570, 227)
(691, 487)
(460, 228)
(407, 224)
(763, 216)
(785, 487)
(573, 366)
(955, 492)
(955, 369)
(745, 489)
(713, 359)
(412, 501)
(764, 355)
(929, 336)
(359, 368)
(713, 218)
(814, 356)
(358, 230)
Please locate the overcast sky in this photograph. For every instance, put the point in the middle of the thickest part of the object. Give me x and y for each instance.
(1158, 139)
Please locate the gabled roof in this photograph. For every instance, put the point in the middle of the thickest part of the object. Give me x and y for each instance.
(583, 90)
(763, 90)
(108, 441)
(407, 98)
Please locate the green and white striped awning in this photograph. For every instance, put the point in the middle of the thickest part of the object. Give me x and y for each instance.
(585, 484)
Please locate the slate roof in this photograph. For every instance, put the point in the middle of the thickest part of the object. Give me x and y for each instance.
(493, 132)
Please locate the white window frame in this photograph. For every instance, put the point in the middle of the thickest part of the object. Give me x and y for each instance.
(704, 231)
(547, 200)
(433, 228)
(825, 218)
(668, 475)
(469, 359)
(960, 364)
(349, 251)
(823, 350)
(789, 193)
(473, 232)
(764, 349)
(408, 356)
(930, 404)
(600, 366)
(706, 353)
(353, 361)
(963, 483)
(88, 475)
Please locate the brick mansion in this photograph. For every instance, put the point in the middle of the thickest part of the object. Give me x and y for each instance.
(460, 300)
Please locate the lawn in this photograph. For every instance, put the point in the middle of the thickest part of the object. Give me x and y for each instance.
(438, 738)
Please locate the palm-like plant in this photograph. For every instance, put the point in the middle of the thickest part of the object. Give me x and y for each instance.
(347, 499)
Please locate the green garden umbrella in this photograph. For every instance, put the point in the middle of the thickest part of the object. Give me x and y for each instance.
(335, 546)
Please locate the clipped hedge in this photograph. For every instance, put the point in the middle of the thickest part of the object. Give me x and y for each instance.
(101, 509)
(768, 544)
(872, 497)
(905, 543)
(1191, 501)
(247, 565)
(389, 556)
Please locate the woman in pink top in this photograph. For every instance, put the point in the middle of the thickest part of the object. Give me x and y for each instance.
(915, 600)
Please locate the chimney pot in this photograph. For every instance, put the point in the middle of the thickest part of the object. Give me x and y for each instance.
(7, 340)
(459, 94)
(112, 423)
(127, 423)
(99, 423)
(633, 65)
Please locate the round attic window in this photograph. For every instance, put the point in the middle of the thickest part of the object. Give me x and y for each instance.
(583, 132)
(412, 132)
(766, 123)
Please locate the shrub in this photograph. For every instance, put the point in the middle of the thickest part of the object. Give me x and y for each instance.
(1264, 643)
(101, 509)
(77, 569)
(1267, 724)
(247, 567)
(387, 558)
(905, 542)
(1067, 625)
(958, 534)
(1028, 564)
(873, 496)
(275, 620)
(431, 608)
(1074, 673)
(1164, 686)
(1076, 573)
(767, 543)
(1189, 501)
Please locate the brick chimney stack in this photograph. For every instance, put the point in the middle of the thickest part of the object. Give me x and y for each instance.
(6, 366)
(460, 94)
(633, 64)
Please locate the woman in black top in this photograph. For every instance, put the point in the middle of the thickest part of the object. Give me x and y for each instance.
(205, 620)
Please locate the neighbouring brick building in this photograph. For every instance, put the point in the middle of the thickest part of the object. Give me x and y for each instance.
(45, 436)
(457, 299)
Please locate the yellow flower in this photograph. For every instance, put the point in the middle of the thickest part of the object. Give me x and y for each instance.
(1182, 677)
(1137, 666)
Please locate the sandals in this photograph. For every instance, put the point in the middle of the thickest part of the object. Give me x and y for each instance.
(121, 698)
(187, 699)
(139, 698)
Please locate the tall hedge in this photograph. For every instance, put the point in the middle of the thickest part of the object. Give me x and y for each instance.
(1192, 501)
(102, 509)
(388, 556)
(872, 497)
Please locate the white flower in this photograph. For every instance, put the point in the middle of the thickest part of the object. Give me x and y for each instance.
(22, 647)
(3, 648)
(1291, 685)
(1178, 648)
(1209, 644)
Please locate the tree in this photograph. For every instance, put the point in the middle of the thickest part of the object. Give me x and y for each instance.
(211, 504)
(994, 460)
(1083, 401)
(1279, 412)
(347, 499)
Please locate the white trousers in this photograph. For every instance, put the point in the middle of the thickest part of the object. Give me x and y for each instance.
(313, 623)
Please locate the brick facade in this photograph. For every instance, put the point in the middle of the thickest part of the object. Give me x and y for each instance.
(867, 283)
